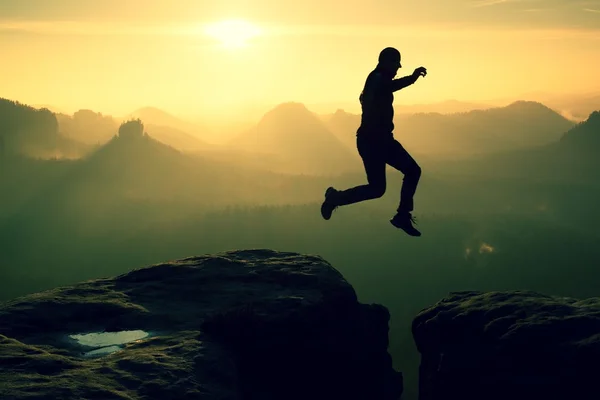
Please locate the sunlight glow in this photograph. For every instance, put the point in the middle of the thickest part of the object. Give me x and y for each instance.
(233, 33)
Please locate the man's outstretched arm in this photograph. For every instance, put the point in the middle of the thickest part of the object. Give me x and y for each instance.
(405, 81)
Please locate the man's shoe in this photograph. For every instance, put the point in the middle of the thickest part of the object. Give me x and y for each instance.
(328, 205)
(404, 221)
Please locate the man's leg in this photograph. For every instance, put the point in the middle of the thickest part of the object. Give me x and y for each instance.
(373, 158)
(398, 157)
(375, 187)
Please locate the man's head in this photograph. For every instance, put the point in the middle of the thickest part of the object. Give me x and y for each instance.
(389, 60)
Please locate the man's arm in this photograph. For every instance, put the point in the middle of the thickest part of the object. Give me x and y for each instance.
(403, 82)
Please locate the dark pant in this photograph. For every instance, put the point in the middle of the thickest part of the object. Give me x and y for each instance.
(376, 153)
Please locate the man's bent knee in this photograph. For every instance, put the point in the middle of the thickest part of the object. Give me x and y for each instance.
(417, 171)
(377, 191)
(414, 172)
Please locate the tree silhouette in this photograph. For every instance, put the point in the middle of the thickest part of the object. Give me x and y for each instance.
(26, 127)
(132, 129)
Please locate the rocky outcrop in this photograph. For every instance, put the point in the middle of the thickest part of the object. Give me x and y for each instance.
(509, 345)
(253, 324)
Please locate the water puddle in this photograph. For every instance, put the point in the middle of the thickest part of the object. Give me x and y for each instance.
(99, 344)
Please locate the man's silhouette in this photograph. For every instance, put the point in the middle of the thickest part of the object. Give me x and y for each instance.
(377, 145)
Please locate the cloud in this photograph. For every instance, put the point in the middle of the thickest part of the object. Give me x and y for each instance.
(487, 3)
(552, 4)
(79, 28)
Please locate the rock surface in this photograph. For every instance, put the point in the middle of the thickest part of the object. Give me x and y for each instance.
(509, 345)
(254, 324)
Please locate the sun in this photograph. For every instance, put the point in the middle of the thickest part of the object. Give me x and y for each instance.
(233, 33)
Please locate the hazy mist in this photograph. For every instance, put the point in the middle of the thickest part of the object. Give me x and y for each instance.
(143, 144)
(507, 200)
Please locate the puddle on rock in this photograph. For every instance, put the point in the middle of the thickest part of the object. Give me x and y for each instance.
(103, 351)
(103, 343)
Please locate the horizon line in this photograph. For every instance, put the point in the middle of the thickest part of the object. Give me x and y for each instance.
(267, 106)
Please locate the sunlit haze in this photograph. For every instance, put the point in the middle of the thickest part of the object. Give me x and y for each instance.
(232, 33)
(192, 189)
(214, 57)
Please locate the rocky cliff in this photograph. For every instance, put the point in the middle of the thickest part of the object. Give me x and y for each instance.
(509, 345)
(253, 324)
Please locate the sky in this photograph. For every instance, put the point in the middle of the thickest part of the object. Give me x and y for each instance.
(115, 56)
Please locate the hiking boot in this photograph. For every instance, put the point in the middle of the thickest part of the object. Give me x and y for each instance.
(328, 205)
(404, 221)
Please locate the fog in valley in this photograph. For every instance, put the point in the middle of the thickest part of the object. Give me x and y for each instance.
(508, 200)
(133, 135)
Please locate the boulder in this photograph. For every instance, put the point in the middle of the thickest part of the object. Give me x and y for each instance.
(247, 324)
(509, 345)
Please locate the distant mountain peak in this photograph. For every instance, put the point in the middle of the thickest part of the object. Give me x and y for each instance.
(526, 104)
(592, 123)
(533, 107)
(594, 117)
(170, 127)
(288, 112)
(297, 135)
(586, 134)
(152, 111)
(290, 106)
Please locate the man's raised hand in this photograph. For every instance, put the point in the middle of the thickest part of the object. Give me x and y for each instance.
(421, 71)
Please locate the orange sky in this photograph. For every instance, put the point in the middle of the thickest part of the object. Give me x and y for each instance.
(115, 56)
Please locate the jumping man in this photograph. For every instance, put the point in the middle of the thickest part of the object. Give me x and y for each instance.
(377, 146)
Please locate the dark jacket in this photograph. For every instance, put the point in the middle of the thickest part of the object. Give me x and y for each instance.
(376, 99)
